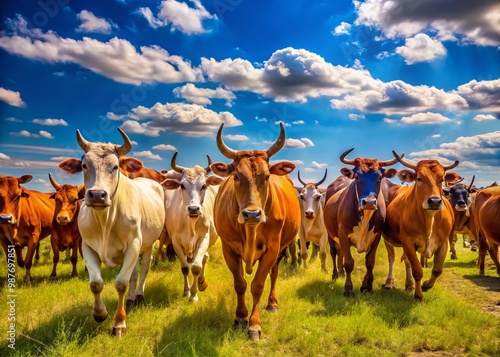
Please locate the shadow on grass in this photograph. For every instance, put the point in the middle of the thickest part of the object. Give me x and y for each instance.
(490, 283)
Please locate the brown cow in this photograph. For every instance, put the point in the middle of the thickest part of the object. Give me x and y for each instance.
(25, 218)
(133, 168)
(65, 234)
(257, 215)
(355, 214)
(485, 214)
(420, 220)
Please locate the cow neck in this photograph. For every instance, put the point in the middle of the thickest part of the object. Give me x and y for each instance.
(353, 203)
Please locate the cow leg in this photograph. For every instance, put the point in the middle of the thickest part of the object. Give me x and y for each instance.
(409, 286)
(437, 269)
(122, 281)
(93, 263)
(54, 238)
(235, 265)
(202, 280)
(452, 240)
(348, 266)
(391, 256)
(292, 248)
(333, 254)
(19, 256)
(493, 250)
(322, 251)
(369, 264)
(129, 304)
(37, 252)
(74, 258)
(28, 261)
(145, 265)
(303, 247)
(416, 267)
(483, 247)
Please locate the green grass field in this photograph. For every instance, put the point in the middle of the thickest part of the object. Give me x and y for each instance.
(460, 316)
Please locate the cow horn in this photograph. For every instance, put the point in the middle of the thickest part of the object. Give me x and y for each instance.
(389, 162)
(278, 144)
(127, 145)
(223, 148)
(208, 169)
(175, 167)
(84, 144)
(452, 166)
(300, 180)
(322, 180)
(402, 162)
(54, 182)
(342, 157)
(471, 183)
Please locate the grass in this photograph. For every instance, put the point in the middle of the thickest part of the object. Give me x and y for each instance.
(456, 318)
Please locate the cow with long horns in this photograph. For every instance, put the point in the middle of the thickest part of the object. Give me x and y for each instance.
(65, 234)
(119, 219)
(189, 206)
(312, 225)
(257, 215)
(419, 219)
(355, 214)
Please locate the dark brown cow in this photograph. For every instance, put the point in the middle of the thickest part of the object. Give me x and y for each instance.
(257, 215)
(420, 220)
(65, 234)
(25, 218)
(356, 213)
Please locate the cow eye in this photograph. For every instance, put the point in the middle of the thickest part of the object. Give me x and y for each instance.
(235, 177)
(204, 187)
(318, 197)
(84, 166)
(419, 179)
(268, 177)
(182, 187)
(115, 167)
(301, 197)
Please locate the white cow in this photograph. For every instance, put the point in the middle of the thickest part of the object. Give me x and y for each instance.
(119, 219)
(312, 225)
(189, 205)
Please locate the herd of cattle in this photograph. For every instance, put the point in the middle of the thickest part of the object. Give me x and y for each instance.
(122, 208)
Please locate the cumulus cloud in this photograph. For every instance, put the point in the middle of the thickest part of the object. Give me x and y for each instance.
(484, 117)
(4, 157)
(353, 116)
(14, 120)
(165, 147)
(117, 59)
(92, 23)
(298, 143)
(179, 16)
(50, 122)
(484, 95)
(10, 97)
(27, 134)
(475, 21)
(343, 29)
(318, 165)
(238, 137)
(185, 119)
(202, 96)
(426, 118)
(421, 48)
(147, 154)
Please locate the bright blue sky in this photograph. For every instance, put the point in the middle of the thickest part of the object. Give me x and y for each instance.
(420, 77)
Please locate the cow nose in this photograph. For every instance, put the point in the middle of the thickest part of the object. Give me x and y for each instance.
(434, 202)
(251, 216)
(97, 197)
(62, 219)
(6, 219)
(309, 214)
(368, 203)
(193, 210)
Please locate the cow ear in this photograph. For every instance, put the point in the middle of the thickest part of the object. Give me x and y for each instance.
(390, 172)
(71, 166)
(170, 184)
(347, 172)
(53, 195)
(221, 169)
(25, 179)
(81, 191)
(451, 177)
(130, 164)
(282, 168)
(407, 175)
(214, 180)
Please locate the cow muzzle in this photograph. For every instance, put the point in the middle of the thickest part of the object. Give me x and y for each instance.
(7, 219)
(251, 216)
(309, 214)
(461, 206)
(62, 220)
(368, 203)
(97, 199)
(433, 203)
(194, 211)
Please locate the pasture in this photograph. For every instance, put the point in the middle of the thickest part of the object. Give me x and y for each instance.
(460, 316)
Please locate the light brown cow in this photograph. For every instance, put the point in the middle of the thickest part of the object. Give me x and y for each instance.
(257, 215)
(65, 234)
(25, 218)
(420, 220)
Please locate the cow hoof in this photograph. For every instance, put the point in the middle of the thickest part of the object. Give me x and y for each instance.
(425, 288)
(100, 318)
(335, 276)
(52, 276)
(129, 304)
(194, 298)
(418, 298)
(240, 323)
(202, 286)
(409, 288)
(119, 331)
(348, 294)
(272, 308)
(454, 256)
(139, 300)
(367, 289)
(389, 284)
(254, 335)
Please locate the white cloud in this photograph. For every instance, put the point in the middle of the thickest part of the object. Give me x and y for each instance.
(426, 118)
(237, 137)
(260, 119)
(186, 119)
(92, 23)
(27, 134)
(298, 122)
(436, 136)
(4, 157)
(318, 165)
(165, 147)
(484, 95)
(180, 16)
(483, 117)
(355, 117)
(147, 154)
(421, 48)
(50, 122)
(298, 143)
(202, 96)
(22, 163)
(343, 29)
(59, 158)
(14, 120)
(476, 21)
(45, 134)
(391, 121)
(11, 97)
(117, 59)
